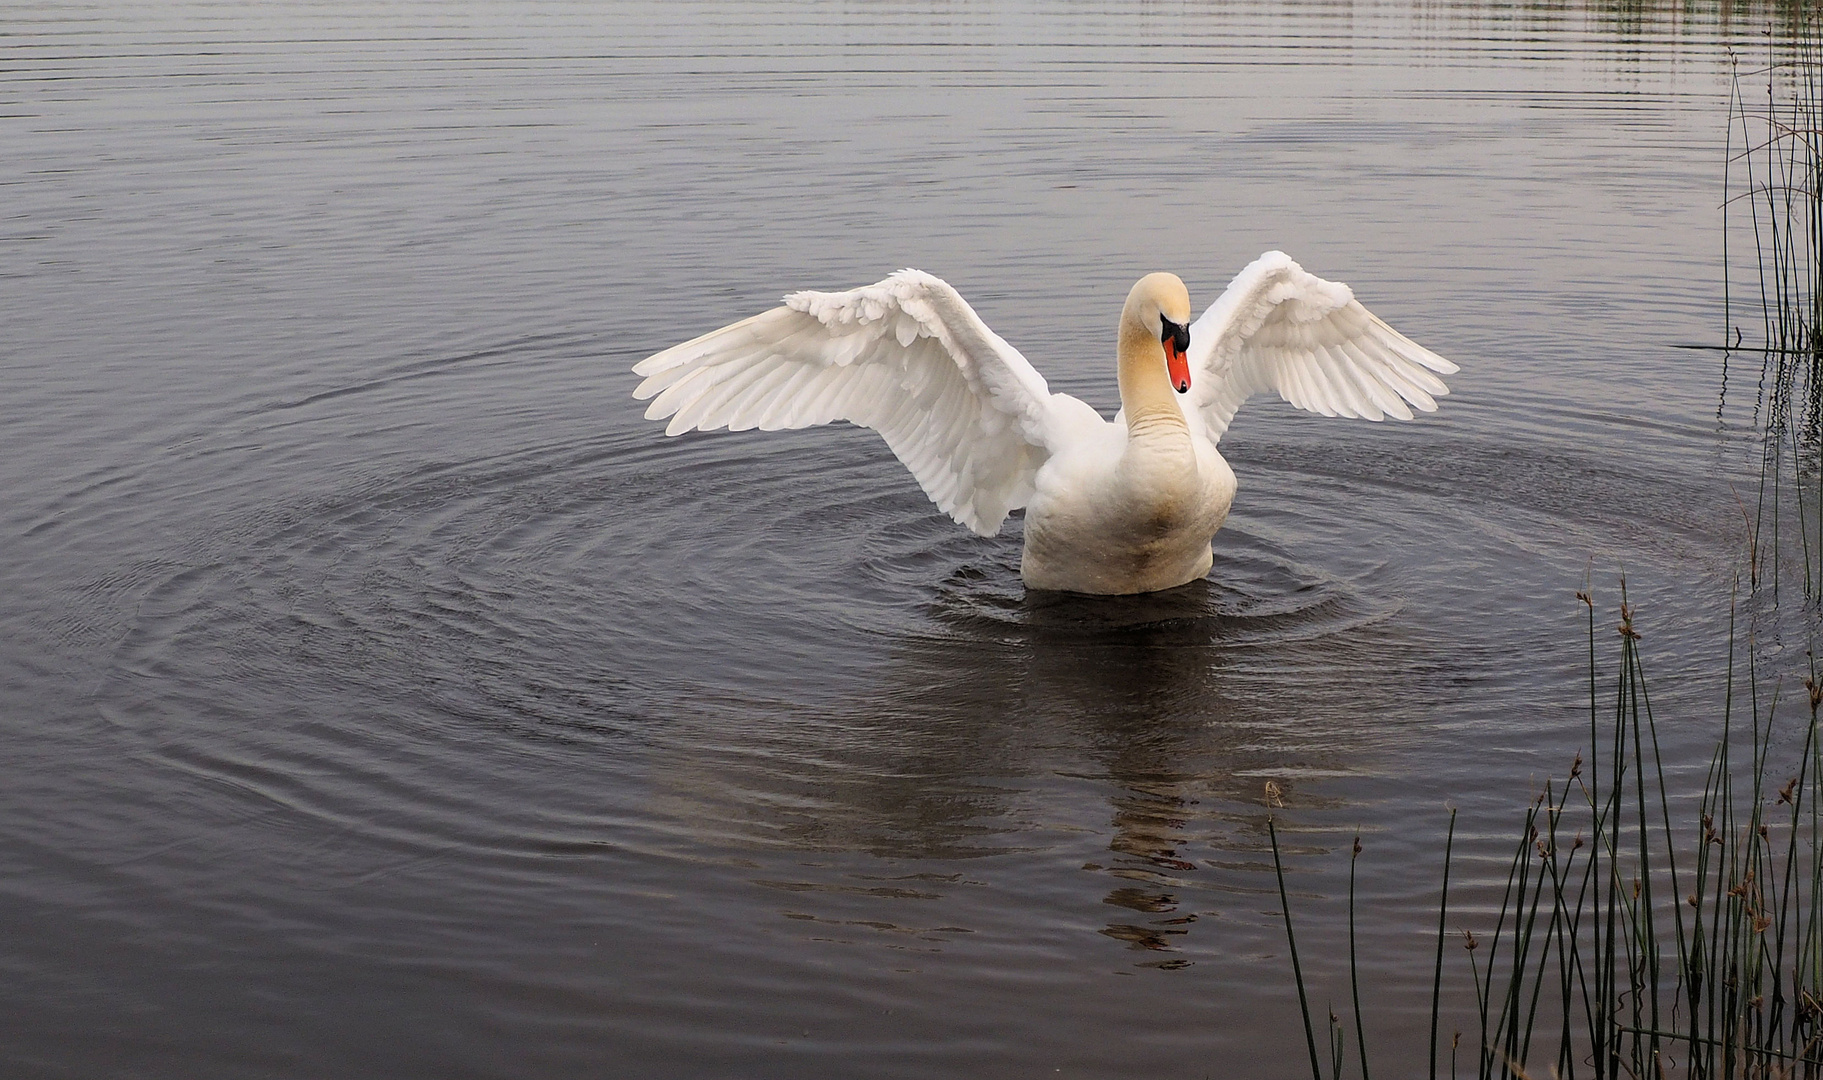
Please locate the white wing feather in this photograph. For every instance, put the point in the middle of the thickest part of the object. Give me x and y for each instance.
(1280, 328)
(907, 357)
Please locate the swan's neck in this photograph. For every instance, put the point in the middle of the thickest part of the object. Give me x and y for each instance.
(1145, 386)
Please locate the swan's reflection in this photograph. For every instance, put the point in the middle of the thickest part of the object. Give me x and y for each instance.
(1144, 686)
(980, 738)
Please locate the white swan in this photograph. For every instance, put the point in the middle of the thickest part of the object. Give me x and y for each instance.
(1122, 507)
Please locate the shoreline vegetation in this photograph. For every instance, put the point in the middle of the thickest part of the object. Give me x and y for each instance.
(1633, 938)
(1647, 931)
(1773, 177)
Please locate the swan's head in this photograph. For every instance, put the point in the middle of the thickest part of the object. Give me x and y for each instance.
(1160, 305)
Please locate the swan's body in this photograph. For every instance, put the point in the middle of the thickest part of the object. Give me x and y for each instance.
(1126, 506)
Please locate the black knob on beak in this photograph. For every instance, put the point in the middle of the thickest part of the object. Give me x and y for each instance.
(1175, 334)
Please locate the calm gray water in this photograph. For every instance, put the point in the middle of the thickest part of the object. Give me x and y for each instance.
(382, 697)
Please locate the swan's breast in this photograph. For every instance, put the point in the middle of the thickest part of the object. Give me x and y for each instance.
(1126, 522)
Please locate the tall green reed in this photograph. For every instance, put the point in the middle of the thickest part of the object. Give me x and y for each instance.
(1633, 939)
(1774, 174)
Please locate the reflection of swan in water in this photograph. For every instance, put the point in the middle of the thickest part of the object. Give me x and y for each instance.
(1111, 508)
(1170, 741)
(1147, 721)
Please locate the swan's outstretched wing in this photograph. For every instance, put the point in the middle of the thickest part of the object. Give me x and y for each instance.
(1280, 328)
(907, 357)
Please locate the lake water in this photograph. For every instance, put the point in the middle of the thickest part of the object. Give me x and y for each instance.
(383, 697)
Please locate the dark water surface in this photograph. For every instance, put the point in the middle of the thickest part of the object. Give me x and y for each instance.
(382, 697)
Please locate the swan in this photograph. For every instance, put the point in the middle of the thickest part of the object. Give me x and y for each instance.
(1128, 506)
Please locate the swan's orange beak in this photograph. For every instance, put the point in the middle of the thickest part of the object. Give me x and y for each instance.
(1178, 364)
(1176, 340)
